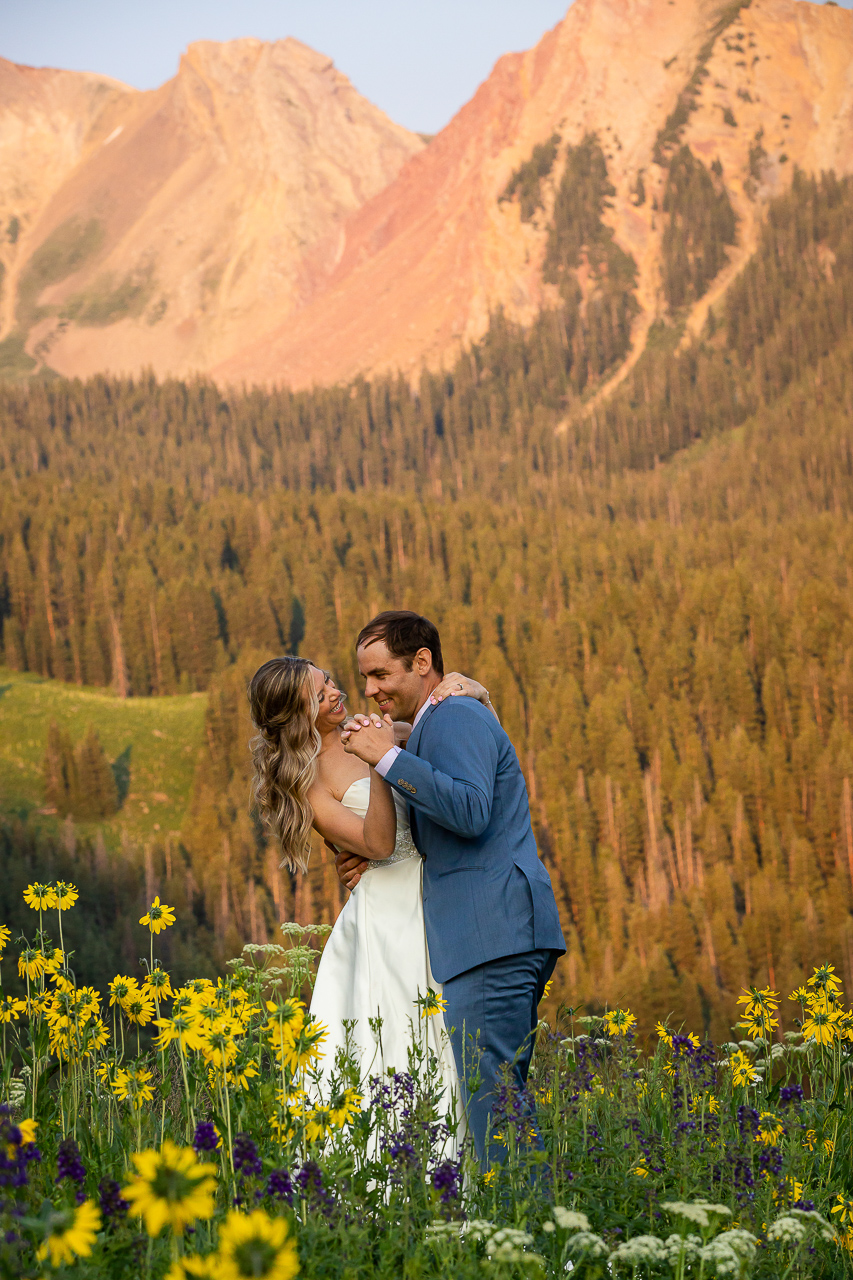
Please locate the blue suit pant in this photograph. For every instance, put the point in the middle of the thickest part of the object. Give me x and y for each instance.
(492, 1017)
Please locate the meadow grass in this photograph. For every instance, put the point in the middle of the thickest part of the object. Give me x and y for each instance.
(162, 736)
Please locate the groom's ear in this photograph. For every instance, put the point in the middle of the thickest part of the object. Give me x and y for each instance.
(422, 661)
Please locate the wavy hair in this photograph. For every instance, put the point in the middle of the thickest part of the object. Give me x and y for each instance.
(283, 706)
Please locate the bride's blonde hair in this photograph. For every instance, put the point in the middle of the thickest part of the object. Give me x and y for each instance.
(284, 706)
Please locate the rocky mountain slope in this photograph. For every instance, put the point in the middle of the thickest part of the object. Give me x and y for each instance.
(759, 89)
(167, 228)
(257, 219)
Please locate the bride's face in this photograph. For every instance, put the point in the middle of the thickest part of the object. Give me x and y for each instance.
(331, 711)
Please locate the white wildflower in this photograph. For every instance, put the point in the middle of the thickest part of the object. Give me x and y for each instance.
(438, 1230)
(787, 1231)
(549, 1226)
(811, 1216)
(744, 1243)
(639, 1250)
(479, 1229)
(570, 1219)
(722, 1258)
(588, 1244)
(698, 1211)
(677, 1247)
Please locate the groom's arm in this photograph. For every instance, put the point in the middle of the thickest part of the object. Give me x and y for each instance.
(452, 781)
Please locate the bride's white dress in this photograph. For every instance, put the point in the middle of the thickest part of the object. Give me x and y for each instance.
(375, 965)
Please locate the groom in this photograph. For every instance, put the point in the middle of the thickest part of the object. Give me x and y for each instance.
(491, 918)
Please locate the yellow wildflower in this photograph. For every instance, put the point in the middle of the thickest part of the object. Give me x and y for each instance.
(5, 935)
(431, 1004)
(742, 1069)
(71, 1234)
(66, 895)
(770, 1129)
(619, 1022)
(158, 916)
(254, 1244)
(843, 1207)
(170, 1187)
(40, 897)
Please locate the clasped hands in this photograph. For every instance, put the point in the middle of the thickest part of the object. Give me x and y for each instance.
(369, 737)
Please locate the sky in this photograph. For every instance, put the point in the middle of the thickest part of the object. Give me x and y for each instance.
(419, 60)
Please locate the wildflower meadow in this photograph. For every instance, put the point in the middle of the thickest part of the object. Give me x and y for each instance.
(152, 1130)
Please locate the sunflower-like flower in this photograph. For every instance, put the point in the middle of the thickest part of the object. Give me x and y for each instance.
(318, 1122)
(742, 1069)
(40, 897)
(343, 1106)
(254, 1244)
(664, 1033)
(239, 1077)
(824, 979)
(138, 1008)
(759, 1000)
(11, 1008)
(54, 960)
(66, 895)
(304, 1049)
(770, 1129)
(760, 1025)
(619, 1022)
(812, 1141)
(170, 1187)
(158, 985)
(843, 1205)
(800, 994)
(182, 1027)
(120, 988)
(431, 1004)
(131, 1084)
(5, 935)
(31, 962)
(821, 1024)
(158, 916)
(284, 1024)
(71, 1234)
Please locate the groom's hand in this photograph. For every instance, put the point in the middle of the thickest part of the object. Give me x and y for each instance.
(349, 867)
(368, 737)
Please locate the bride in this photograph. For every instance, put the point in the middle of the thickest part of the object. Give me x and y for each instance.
(375, 964)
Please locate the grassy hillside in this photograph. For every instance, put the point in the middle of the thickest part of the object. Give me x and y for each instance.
(155, 739)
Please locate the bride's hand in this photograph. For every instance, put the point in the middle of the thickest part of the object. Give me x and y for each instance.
(455, 685)
(368, 737)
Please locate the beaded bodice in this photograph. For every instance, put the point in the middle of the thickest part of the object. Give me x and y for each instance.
(357, 798)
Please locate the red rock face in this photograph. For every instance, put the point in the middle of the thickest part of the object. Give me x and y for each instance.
(260, 221)
(426, 259)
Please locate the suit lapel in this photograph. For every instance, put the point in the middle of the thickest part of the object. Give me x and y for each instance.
(415, 736)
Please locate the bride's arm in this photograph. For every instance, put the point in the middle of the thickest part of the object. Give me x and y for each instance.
(373, 836)
(455, 685)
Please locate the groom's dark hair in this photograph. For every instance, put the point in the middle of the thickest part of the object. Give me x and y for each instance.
(404, 633)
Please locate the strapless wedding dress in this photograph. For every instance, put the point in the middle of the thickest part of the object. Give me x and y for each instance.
(375, 965)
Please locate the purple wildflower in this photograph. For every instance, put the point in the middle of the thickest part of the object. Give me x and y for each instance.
(279, 1186)
(110, 1199)
(246, 1159)
(206, 1138)
(68, 1162)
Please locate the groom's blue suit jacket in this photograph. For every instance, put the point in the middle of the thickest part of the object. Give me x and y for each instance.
(486, 893)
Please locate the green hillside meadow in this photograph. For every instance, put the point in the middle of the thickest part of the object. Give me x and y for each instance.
(157, 739)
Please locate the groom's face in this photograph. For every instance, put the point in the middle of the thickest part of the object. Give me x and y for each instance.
(397, 691)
